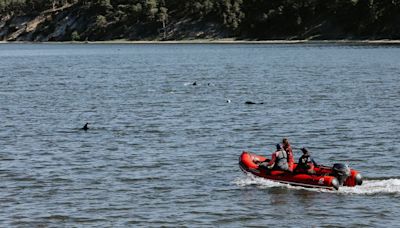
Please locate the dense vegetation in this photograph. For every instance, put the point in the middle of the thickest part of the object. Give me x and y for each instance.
(186, 19)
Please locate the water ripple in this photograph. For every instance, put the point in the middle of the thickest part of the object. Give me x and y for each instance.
(163, 152)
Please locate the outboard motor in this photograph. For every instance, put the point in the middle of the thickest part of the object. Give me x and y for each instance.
(341, 172)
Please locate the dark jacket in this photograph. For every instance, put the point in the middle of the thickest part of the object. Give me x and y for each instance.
(306, 162)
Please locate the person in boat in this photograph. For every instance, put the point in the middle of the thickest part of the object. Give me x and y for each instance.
(278, 160)
(288, 149)
(306, 163)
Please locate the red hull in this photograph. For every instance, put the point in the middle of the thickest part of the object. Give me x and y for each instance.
(322, 178)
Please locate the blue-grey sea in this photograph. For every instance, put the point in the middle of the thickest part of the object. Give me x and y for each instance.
(167, 123)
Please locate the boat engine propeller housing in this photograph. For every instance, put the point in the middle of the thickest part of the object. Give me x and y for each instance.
(341, 172)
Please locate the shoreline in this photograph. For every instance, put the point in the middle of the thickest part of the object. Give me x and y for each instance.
(218, 41)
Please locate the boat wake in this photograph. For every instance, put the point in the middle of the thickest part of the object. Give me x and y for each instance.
(372, 187)
(369, 187)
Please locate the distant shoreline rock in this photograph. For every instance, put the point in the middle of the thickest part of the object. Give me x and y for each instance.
(210, 21)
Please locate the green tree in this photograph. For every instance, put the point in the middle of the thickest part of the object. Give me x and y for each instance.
(136, 11)
(75, 36)
(232, 13)
(101, 21)
(101, 6)
(151, 9)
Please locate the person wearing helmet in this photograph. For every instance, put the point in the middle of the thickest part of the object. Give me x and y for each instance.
(306, 163)
(288, 149)
(278, 160)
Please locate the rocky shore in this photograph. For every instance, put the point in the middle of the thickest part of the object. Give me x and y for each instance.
(194, 22)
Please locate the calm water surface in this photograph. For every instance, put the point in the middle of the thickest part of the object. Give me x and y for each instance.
(163, 152)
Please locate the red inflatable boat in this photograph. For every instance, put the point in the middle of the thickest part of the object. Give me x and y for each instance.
(324, 176)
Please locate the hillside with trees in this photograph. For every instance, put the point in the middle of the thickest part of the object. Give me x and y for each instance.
(81, 20)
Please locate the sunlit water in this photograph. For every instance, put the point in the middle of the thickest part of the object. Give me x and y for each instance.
(161, 151)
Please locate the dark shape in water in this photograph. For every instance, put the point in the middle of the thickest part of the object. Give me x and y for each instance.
(194, 83)
(85, 127)
(251, 103)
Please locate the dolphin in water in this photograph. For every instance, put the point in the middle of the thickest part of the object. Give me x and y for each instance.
(251, 102)
(85, 127)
